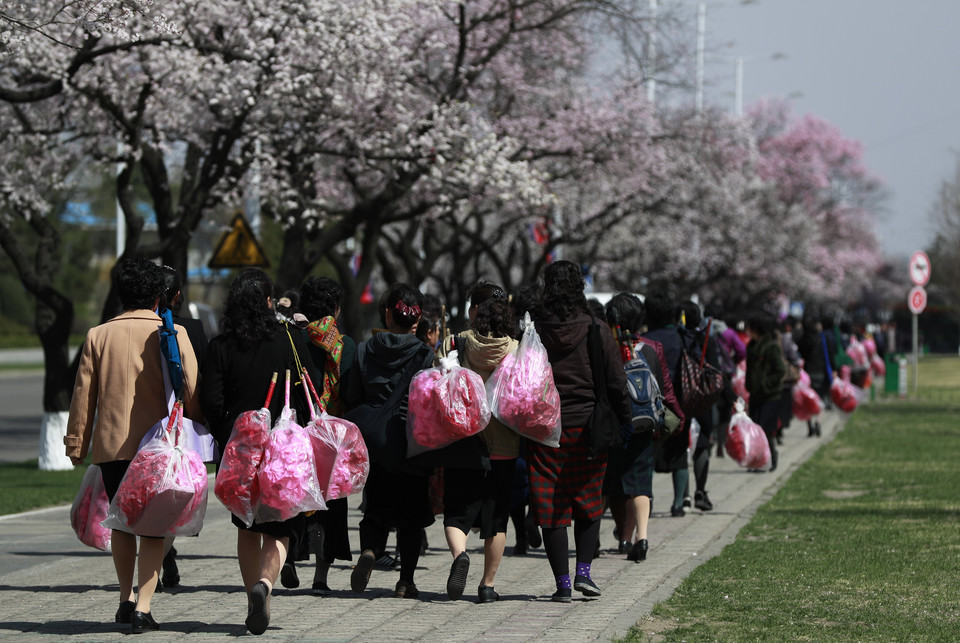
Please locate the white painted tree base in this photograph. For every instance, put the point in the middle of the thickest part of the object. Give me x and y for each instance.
(52, 451)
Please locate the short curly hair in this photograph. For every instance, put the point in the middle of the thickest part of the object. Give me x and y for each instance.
(139, 283)
(320, 297)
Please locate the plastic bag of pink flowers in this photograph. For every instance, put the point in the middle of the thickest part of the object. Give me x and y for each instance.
(288, 472)
(164, 491)
(746, 442)
(340, 454)
(806, 403)
(445, 404)
(521, 391)
(237, 485)
(89, 509)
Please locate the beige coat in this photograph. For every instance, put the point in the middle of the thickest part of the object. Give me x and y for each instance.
(119, 392)
(482, 354)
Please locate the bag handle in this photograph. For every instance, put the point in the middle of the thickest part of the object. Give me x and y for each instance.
(706, 339)
(594, 350)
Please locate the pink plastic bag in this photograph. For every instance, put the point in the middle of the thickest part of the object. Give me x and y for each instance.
(89, 509)
(445, 404)
(806, 402)
(521, 391)
(844, 395)
(339, 451)
(341, 456)
(878, 366)
(739, 382)
(237, 485)
(858, 353)
(746, 442)
(288, 472)
(164, 491)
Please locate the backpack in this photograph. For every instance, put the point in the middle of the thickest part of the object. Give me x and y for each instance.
(646, 400)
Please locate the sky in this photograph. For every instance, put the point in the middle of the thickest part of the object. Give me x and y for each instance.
(884, 72)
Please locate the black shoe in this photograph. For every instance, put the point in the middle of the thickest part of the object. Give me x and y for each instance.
(259, 617)
(817, 428)
(719, 452)
(623, 547)
(677, 512)
(141, 622)
(361, 573)
(520, 549)
(321, 589)
(687, 502)
(288, 576)
(533, 532)
(125, 612)
(457, 580)
(639, 551)
(702, 501)
(585, 586)
(387, 562)
(562, 595)
(406, 590)
(485, 594)
(171, 575)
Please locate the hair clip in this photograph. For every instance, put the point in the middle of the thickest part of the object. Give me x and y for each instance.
(407, 311)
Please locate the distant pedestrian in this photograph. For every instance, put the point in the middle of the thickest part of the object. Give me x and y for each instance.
(765, 371)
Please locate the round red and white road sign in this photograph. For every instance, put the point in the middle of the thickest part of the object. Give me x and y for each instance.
(919, 268)
(917, 300)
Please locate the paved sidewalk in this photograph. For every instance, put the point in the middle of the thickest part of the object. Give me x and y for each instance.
(55, 589)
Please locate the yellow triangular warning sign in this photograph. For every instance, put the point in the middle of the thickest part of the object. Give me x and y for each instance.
(238, 248)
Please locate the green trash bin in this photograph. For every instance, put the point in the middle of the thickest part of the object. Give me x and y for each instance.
(892, 378)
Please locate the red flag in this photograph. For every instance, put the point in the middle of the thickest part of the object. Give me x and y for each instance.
(367, 296)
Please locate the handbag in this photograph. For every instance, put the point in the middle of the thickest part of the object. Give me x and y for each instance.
(700, 383)
(603, 426)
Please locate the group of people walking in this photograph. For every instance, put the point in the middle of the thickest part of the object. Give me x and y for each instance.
(116, 400)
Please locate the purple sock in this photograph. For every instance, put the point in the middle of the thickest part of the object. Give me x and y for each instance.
(583, 569)
(563, 582)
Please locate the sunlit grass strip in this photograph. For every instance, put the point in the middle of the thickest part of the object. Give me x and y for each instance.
(862, 543)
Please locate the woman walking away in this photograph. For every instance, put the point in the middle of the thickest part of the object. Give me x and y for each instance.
(477, 483)
(765, 371)
(332, 353)
(566, 483)
(120, 389)
(237, 370)
(629, 480)
(397, 492)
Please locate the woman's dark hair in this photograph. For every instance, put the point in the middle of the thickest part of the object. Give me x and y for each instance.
(526, 300)
(320, 297)
(563, 290)
(494, 314)
(247, 317)
(484, 290)
(139, 283)
(762, 323)
(406, 304)
(691, 314)
(429, 321)
(660, 309)
(626, 311)
(171, 286)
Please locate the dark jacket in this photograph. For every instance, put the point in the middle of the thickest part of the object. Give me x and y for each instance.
(236, 379)
(566, 344)
(765, 370)
(378, 365)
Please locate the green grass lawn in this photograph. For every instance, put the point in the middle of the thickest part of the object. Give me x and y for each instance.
(26, 487)
(861, 544)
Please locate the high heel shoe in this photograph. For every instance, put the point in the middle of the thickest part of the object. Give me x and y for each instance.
(141, 622)
(639, 551)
